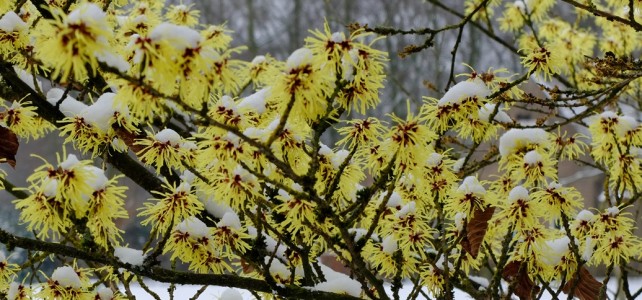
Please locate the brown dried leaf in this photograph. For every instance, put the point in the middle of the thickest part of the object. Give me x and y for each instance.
(476, 229)
(587, 287)
(8, 146)
(524, 286)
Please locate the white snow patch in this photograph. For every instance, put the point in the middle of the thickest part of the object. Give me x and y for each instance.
(105, 293)
(557, 248)
(230, 219)
(471, 185)
(69, 163)
(389, 245)
(407, 209)
(168, 136)
(180, 37)
(488, 108)
(129, 256)
(518, 193)
(194, 227)
(231, 294)
(464, 90)
(256, 101)
(299, 58)
(532, 157)
(339, 158)
(67, 277)
(11, 22)
(517, 138)
(98, 181)
(27, 78)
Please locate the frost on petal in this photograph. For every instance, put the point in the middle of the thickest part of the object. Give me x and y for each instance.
(67, 277)
(299, 58)
(463, 90)
(130, 256)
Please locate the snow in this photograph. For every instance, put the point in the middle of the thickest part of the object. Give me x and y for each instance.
(532, 157)
(277, 267)
(69, 107)
(585, 215)
(13, 291)
(11, 22)
(516, 138)
(394, 201)
(299, 58)
(194, 227)
(101, 111)
(105, 293)
(338, 283)
(557, 248)
(256, 101)
(87, 13)
(518, 193)
(215, 208)
(69, 163)
(339, 158)
(168, 136)
(129, 256)
(338, 37)
(488, 108)
(471, 185)
(407, 209)
(325, 150)
(434, 159)
(459, 164)
(50, 188)
(359, 233)
(230, 219)
(113, 60)
(99, 180)
(180, 37)
(231, 294)
(613, 211)
(389, 245)
(626, 124)
(258, 59)
(464, 90)
(27, 78)
(67, 277)
(460, 220)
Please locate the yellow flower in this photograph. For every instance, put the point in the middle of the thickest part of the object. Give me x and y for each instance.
(409, 139)
(165, 148)
(13, 38)
(43, 214)
(263, 70)
(65, 283)
(177, 203)
(7, 272)
(23, 120)
(361, 132)
(542, 60)
(303, 85)
(106, 204)
(182, 15)
(557, 200)
(73, 42)
(461, 102)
